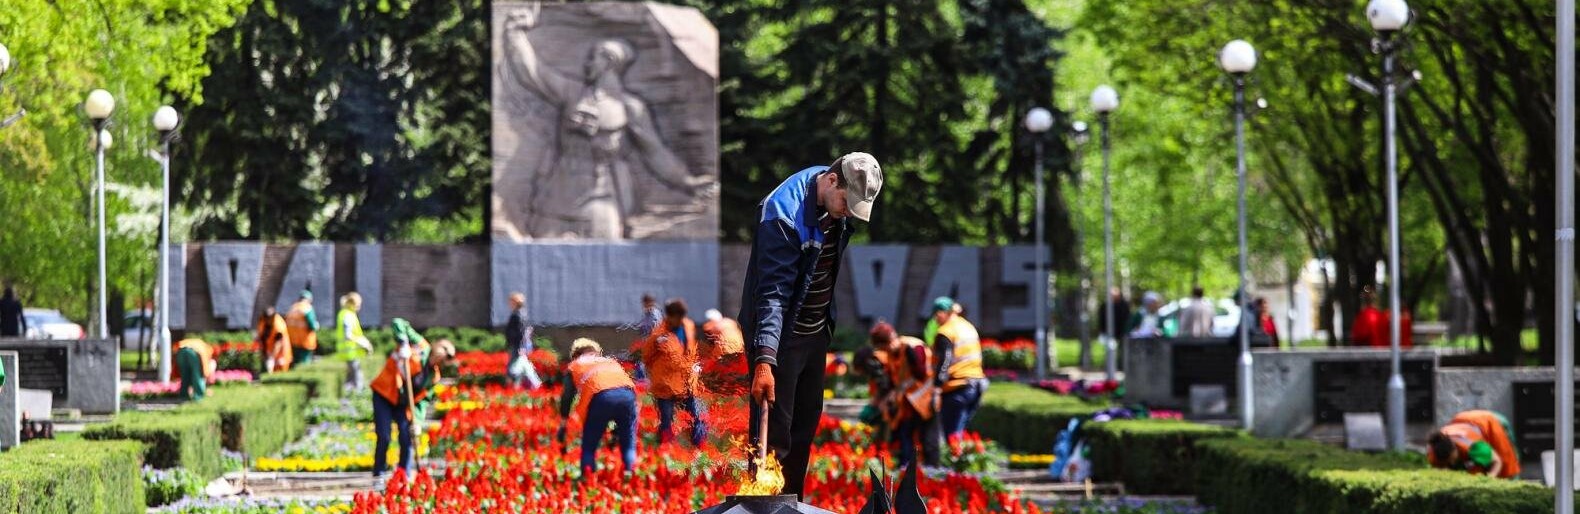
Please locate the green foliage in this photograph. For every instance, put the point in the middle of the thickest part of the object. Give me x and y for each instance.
(350, 408)
(256, 419)
(1242, 475)
(48, 477)
(163, 487)
(1151, 456)
(322, 378)
(1026, 419)
(142, 52)
(187, 439)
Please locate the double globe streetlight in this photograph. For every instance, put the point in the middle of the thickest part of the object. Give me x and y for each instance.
(166, 121)
(1238, 58)
(1104, 100)
(99, 106)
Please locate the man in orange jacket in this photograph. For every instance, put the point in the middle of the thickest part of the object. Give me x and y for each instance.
(911, 403)
(723, 337)
(194, 365)
(670, 354)
(394, 396)
(302, 323)
(1477, 441)
(607, 394)
(273, 340)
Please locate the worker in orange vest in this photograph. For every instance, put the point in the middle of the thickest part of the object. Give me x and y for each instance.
(723, 338)
(670, 354)
(1477, 441)
(607, 394)
(194, 366)
(302, 323)
(912, 402)
(957, 351)
(404, 381)
(273, 338)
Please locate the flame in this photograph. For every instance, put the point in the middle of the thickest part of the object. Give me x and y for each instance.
(770, 479)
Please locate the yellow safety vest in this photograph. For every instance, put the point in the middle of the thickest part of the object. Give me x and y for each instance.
(346, 348)
(966, 362)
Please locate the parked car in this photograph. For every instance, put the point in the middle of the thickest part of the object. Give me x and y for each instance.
(51, 324)
(1226, 317)
(137, 325)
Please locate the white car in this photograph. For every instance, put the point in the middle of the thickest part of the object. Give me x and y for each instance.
(51, 324)
(1225, 320)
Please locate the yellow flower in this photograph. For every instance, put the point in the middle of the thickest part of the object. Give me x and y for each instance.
(828, 394)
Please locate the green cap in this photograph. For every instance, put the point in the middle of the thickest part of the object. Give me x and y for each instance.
(306, 295)
(943, 303)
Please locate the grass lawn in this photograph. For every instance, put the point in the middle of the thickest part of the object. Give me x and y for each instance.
(129, 361)
(1069, 353)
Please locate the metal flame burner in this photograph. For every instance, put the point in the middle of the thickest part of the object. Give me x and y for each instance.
(776, 504)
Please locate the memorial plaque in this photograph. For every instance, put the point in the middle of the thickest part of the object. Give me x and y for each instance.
(43, 368)
(1362, 386)
(1534, 420)
(1207, 363)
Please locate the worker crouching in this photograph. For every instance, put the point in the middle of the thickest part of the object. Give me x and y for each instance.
(1476, 441)
(607, 394)
(407, 378)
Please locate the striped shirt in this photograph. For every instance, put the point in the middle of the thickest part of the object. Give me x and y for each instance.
(813, 316)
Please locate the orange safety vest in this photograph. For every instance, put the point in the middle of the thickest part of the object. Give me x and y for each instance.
(267, 330)
(205, 357)
(595, 374)
(390, 380)
(1470, 427)
(724, 337)
(301, 335)
(966, 363)
(912, 395)
(669, 365)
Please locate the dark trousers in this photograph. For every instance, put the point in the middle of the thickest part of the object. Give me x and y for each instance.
(798, 405)
(302, 356)
(666, 418)
(959, 405)
(619, 406)
(926, 429)
(385, 413)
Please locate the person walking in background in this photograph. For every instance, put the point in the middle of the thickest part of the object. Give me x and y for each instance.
(350, 344)
(911, 400)
(518, 341)
(607, 394)
(1145, 323)
(12, 322)
(787, 299)
(1476, 441)
(1121, 324)
(273, 340)
(1265, 319)
(194, 365)
(670, 353)
(1371, 324)
(651, 315)
(1248, 319)
(302, 324)
(722, 338)
(957, 353)
(1196, 318)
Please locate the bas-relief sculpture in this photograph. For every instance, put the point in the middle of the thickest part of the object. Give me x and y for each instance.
(605, 122)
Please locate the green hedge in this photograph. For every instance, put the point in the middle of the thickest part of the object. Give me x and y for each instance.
(1243, 475)
(181, 438)
(257, 419)
(1151, 456)
(322, 378)
(1025, 419)
(72, 476)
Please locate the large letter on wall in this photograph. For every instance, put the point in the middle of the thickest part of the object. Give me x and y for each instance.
(177, 304)
(312, 269)
(1020, 269)
(233, 270)
(958, 276)
(877, 272)
(370, 283)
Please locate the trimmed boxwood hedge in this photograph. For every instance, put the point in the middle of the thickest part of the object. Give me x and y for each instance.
(322, 378)
(72, 476)
(1151, 456)
(180, 438)
(1025, 419)
(257, 419)
(1243, 475)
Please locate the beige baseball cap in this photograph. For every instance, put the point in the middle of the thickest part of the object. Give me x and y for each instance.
(863, 178)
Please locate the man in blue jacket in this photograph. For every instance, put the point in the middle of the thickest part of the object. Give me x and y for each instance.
(787, 304)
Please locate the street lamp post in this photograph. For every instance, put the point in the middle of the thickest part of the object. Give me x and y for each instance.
(99, 105)
(1104, 101)
(1566, 255)
(5, 65)
(1239, 58)
(165, 121)
(1038, 121)
(1080, 134)
(1387, 17)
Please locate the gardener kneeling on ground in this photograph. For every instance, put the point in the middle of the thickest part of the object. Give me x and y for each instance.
(194, 365)
(607, 394)
(394, 401)
(1477, 441)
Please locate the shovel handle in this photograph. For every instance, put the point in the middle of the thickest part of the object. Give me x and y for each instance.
(762, 430)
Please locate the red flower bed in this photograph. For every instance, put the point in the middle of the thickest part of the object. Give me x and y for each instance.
(505, 458)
